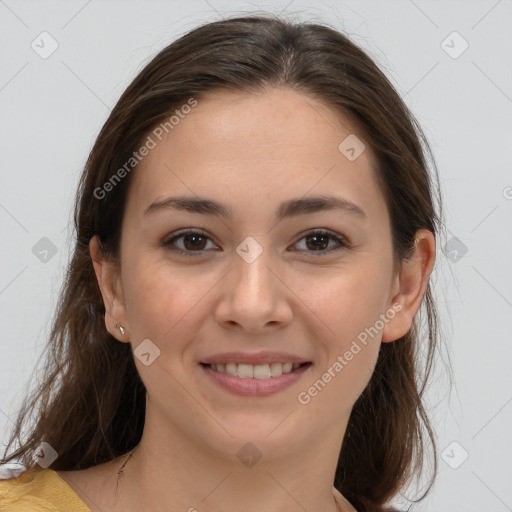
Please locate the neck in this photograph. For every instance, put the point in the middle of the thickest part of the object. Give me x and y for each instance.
(227, 488)
(193, 479)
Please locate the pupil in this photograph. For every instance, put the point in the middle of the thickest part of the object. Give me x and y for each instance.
(196, 237)
(316, 237)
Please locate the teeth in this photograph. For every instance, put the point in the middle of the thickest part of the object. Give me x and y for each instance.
(258, 371)
(262, 371)
(246, 371)
(276, 369)
(231, 368)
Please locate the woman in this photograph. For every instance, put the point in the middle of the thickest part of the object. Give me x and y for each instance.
(256, 229)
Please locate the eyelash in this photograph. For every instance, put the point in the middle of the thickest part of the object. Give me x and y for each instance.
(343, 243)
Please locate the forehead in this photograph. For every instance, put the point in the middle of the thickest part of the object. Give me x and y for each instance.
(245, 148)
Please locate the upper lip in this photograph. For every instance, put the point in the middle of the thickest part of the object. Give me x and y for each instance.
(254, 359)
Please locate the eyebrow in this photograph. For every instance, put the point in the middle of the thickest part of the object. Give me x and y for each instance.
(289, 208)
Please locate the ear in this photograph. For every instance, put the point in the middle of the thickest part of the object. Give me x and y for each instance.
(409, 286)
(108, 276)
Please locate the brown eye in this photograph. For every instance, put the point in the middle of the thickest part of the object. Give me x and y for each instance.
(193, 242)
(318, 242)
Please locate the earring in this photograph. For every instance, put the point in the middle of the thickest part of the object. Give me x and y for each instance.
(120, 328)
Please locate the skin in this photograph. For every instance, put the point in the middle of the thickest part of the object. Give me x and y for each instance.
(230, 148)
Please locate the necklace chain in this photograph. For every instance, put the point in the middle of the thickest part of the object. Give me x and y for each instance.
(121, 469)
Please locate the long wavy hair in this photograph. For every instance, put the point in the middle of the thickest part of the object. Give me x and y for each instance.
(90, 403)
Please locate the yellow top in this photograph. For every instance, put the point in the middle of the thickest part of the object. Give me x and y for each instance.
(39, 490)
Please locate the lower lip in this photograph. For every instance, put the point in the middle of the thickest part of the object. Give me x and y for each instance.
(255, 387)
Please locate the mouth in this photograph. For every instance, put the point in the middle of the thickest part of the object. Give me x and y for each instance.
(254, 380)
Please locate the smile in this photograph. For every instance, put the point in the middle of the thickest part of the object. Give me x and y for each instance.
(255, 380)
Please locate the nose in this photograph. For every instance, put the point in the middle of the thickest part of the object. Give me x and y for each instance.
(255, 295)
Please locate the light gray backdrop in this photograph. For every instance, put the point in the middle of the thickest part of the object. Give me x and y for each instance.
(64, 65)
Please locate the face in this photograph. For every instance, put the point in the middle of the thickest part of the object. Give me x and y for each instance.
(268, 287)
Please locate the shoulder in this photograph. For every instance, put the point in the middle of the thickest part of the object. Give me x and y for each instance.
(36, 490)
(20, 489)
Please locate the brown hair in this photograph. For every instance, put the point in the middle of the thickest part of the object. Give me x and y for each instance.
(92, 401)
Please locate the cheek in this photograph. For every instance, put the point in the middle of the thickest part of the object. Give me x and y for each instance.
(162, 301)
(347, 300)
(350, 304)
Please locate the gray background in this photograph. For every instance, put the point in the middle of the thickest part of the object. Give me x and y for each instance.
(52, 109)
